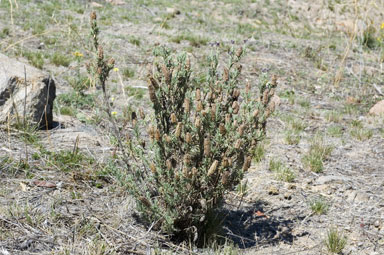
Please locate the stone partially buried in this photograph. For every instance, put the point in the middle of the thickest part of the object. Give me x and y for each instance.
(32, 99)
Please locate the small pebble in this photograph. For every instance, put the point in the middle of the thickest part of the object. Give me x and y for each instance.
(272, 190)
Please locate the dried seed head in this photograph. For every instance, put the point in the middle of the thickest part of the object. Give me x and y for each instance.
(227, 118)
(194, 171)
(247, 163)
(230, 161)
(168, 164)
(213, 168)
(187, 105)
(173, 118)
(157, 135)
(188, 64)
(134, 122)
(166, 73)
(241, 129)
(93, 15)
(274, 81)
(167, 138)
(255, 113)
(198, 95)
(271, 106)
(267, 113)
(234, 123)
(265, 96)
(142, 114)
(207, 146)
(225, 163)
(100, 52)
(271, 92)
(225, 178)
(111, 62)
(187, 159)
(239, 52)
(188, 137)
(145, 201)
(226, 74)
(152, 95)
(151, 131)
(153, 168)
(236, 94)
(213, 112)
(239, 68)
(197, 122)
(199, 106)
(235, 107)
(178, 129)
(247, 87)
(238, 144)
(99, 70)
(222, 129)
(186, 171)
(177, 177)
(209, 96)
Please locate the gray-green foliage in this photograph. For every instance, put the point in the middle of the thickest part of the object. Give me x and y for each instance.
(201, 141)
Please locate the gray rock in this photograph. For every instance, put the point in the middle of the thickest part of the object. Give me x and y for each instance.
(36, 96)
(331, 178)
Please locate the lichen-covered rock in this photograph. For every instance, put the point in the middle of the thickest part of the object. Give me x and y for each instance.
(32, 99)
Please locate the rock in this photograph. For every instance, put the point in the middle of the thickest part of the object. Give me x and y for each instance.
(116, 2)
(288, 195)
(351, 195)
(36, 96)
(331, 178)
(96, 5)
(272, 190)
(173, 11)
(377, 109)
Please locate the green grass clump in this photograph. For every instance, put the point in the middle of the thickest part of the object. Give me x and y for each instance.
(282, 173)
(59, 59)
(319, 206)
(35, 58)
(335, 242)
(318, 152)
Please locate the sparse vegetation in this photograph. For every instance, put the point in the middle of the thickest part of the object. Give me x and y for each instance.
(335, 241)
(317, 153)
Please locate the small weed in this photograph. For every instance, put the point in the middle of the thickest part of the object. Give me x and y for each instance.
(128, 73)
(76, 100)
(4, 33)
(319, 206)
(59, 59)
(335, 242)
(286, 175)
(333, 116)
(292, 137)
(335, 130)
(361, 134)
(35, 58)
(275, 165)
(258, 153)
(282, 173)
(305, 103)
(195, 41)
(317, 153)
(134, 40)
(137, 93)
(68, 160)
